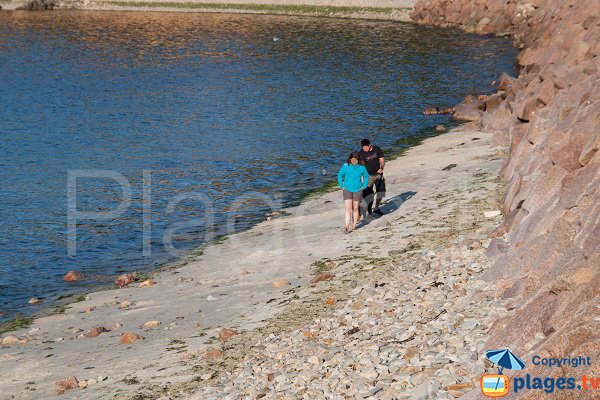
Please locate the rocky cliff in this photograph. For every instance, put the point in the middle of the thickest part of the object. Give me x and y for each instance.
(547, 251)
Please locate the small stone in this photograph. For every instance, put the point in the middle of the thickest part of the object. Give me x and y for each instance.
(186, 355)
(206, 377)
(125, 280)
(370, 374)
(115, 326)
(151, 324)
(34, 300)
(210, 297)
(65, 384)
(330, 301)
(91, 381)
(226, 334)
(440, 128)
(213, 354)
(130, 337)
(124, 304)
(10, 340)
(323, 276)
(459, 386)
(280, 283)
(314, 360)
(244, 272)
(95, 331)
(73, 276)
(147, 283)
(82, 384)
(492, 214)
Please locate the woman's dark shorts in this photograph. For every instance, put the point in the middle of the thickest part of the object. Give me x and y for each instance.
(355, 196)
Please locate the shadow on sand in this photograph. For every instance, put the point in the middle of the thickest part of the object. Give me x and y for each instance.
(388, 207)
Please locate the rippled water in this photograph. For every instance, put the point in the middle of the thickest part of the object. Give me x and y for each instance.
(244, 110)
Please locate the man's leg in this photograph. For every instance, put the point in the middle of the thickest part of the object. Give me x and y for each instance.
(367, 195)
(379, 186)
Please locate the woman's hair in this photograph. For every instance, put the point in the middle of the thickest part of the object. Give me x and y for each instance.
(352, 155)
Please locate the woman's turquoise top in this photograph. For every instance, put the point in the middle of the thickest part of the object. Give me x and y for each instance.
(353, 177)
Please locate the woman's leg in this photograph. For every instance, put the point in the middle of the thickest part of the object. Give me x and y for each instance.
(347, 213)
(355, 214)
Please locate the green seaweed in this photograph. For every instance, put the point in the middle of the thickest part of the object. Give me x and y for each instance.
(267, 8)
(14, 324)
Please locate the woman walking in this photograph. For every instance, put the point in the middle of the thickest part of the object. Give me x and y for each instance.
(352, 179)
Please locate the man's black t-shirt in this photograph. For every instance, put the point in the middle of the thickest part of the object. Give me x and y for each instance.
(371, 159)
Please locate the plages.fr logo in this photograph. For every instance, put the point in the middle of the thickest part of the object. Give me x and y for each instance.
(499, 385)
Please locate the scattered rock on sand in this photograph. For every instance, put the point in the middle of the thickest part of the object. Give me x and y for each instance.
(226, 334)
(115, 326)
(65, 384)
(125, 279)
(280, 283)
(151, 324)
(73, 276)
(147, 283)
(10, 340)
(96, 331)
(244, 272)
(213, 354)
(492, 214)
(449, 167)
(440, 128)
(124, 304)
(130, 337)
(323, 276)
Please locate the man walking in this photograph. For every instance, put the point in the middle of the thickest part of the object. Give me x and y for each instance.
(374, 162)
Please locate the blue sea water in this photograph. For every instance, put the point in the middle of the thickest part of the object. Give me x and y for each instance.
(225, 117)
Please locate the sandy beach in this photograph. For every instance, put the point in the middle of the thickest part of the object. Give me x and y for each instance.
(437, 195)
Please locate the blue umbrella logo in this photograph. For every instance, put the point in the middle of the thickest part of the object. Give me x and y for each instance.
(497, 385)
(504, 359)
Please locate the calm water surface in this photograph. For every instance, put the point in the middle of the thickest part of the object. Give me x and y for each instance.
(243, 110)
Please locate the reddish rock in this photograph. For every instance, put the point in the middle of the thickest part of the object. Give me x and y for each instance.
(130, 337)
(280, 283)
(147, 283)
(124, 304)
(10, 340)
(62, 385)
(470, 109)
(213, 354)
(526, 109)
(96, 331)
(492, 102)
(73, 276)
(323, 276)
(226, 334)
(151, 324)
(125, 280)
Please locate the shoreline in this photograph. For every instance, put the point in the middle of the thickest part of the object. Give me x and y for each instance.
(192, 303)
(52, 307)
(359, 10)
